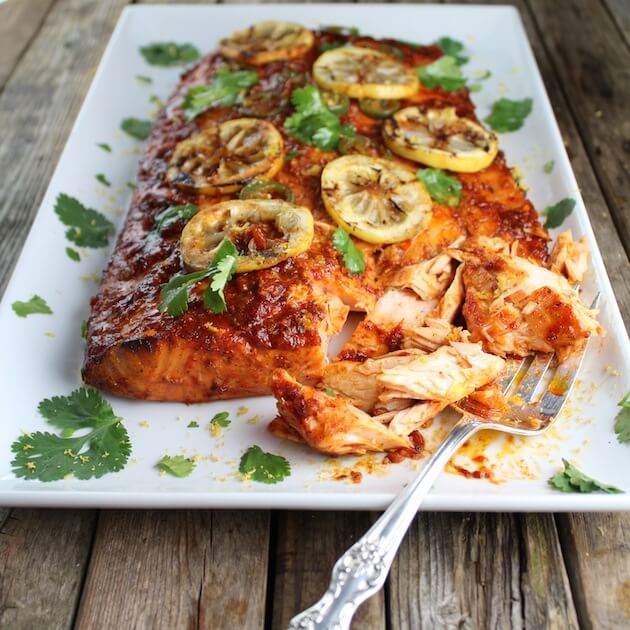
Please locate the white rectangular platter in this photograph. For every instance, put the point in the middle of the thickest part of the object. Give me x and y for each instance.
(42, 355)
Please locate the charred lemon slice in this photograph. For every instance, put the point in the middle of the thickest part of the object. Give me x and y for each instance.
(268, 41)
(225, 157)
(364, 73)
(264, 231)
(441, 139)
(376, 200)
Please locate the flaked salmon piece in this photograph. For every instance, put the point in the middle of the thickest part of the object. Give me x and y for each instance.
(434, 334)
(487, 402)
(428, 279)
(516, 307)
(452, 300)
(329, 424)
(449, 374)
(415, 417)
(569, 257)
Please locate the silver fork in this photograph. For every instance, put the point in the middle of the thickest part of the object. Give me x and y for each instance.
(362, 570)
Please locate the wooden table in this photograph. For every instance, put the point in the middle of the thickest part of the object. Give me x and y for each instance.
(214, 569)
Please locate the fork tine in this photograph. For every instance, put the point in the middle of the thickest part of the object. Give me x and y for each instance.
(512, 369)
(534, 375)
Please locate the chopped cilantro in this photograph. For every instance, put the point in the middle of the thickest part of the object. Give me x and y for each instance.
(292, 154)
(173, 215)
(221, 419)
(193, 424)
(557, 213)
(508, 115)
(156, 100)
(143, 78)
(227, 89)
(622, 420)
(131, 185)
(73, 254)
(329, 46)
(104, 146)
(452, 48)
(103, 448)
(102, 179)
(573, 480)
(84, 329)
(136, 128)
(443, 188)
(313, 122)
(177, 466)
(169, 54)
(352, 256)
(444, 73)
(174, 294)
(263, 467)
(475, 87)
(35, 305)
(86, 227)
(334, 29)
(548, 167)
(329, 391)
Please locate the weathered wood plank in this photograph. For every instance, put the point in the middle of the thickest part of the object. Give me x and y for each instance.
(178, 569)
(39, 104)
(594, 71)
(19, 22)
(308, 545)
(597, 552)
(43, 554)
(620, 12)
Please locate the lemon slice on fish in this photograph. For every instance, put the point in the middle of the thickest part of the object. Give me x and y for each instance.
(268, 41)
(376, 200)
(222, 158)
(264, 231)
(364, 73)
(441, 139)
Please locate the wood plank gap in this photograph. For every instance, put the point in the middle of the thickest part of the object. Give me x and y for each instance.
(619, 12)
(271, 568)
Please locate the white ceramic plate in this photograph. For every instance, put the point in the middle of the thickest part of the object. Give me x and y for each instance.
(42, 355)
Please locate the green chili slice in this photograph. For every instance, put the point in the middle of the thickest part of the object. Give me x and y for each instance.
(378, 108)
(267, 189)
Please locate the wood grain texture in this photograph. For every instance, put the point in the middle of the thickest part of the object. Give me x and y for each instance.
(620, 13)
(43, 555)
(19, 22)
(38, 106)
(597, 552)
(307, 546)
(179, 569)
(480, 571)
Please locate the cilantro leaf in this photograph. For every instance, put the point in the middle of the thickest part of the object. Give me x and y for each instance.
(87, 227)
(557, 213)
(622, 420)
(226, 90)
(444, 73)
(573, 480)
(35, 305)
(136, 128)
(177, 466)
(313, 123)
(443, 188)
(173, 215)
(263, 467)
(84, 329)
(73, 254)
(334, 29)
(49, 457)
(221, 419)
(548, 166)
(352, 256)
(143, 78)
(509, 115)
(174, 294)
(169, 54)
(452, 48)
(102, 179)
(104, 146)
(193, 424)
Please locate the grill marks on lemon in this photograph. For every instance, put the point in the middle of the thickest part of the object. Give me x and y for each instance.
(268, 41)
(441, 139)
(364, 73)
(376, 200)
(222, 158)
(264, 231)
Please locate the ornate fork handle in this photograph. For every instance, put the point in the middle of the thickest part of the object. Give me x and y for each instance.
(363, 569)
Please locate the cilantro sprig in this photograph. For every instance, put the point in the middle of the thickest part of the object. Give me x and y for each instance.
(556, 214)
(176, 466)
(175, 293)
(444, 73)
(509, 115)
(169, 54)
(352, 256)
(622, 420)
(136, 128)
(86, 227)
(443, 188)
(103, 448)
(31, 307)
(313, 123)
(173, 215)
(263, 467)
(227, 89)
(452, 48)
(221, 419)
(573, 480)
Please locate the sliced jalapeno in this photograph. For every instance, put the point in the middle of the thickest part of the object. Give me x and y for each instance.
(361, 145)
(338, 104)
(378, 108)
(267, 189)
